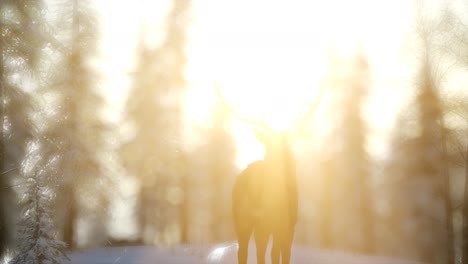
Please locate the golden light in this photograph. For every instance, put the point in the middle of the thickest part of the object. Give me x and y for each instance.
(272, 55)
(277, 105)
(269, 59)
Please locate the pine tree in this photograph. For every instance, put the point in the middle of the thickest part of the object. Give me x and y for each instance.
(78, 133)
(352, 194)
(465, 214)
(20, 49)
(4, 225)
(154, 154)
(3, 182)
(219, 156)
(418, 177)
(37, 242)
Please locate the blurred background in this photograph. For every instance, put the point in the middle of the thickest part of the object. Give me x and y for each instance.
(111, 121)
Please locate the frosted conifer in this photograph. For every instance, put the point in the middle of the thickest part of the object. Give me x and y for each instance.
(37, 243)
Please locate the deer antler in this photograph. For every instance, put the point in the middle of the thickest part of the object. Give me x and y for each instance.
(311, 109)
(261, 123)
(254, 122)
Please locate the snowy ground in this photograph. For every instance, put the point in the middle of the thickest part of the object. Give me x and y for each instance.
(211, 254)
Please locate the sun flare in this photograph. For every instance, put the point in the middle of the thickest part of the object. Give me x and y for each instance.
(269, 67)
(270, 56)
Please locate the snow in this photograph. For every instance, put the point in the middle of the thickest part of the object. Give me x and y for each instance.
(216, 254)
(135, 255)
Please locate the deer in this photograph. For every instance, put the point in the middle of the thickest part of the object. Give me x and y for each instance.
(264, 195)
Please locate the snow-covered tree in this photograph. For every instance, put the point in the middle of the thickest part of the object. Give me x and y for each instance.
(37, 238)
(22, 39)
(72, 123)
(88, 132)
(213, 170)
(220, 158)
(353, 159)
(417, 178)
(153, 154)
(350, 191)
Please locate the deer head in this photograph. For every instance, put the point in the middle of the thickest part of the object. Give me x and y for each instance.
(274, 140)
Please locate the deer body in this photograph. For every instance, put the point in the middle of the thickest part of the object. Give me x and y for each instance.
(264, 197)
(265, 202)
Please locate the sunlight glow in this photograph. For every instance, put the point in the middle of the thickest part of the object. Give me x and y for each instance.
(270, 66)
(274, 58)
(270, 56)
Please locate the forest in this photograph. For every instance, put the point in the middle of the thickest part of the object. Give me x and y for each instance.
(117, 124)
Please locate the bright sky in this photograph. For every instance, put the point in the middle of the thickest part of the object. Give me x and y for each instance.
(274, 48)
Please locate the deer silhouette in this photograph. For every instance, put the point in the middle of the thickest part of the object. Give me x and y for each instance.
(264, 196)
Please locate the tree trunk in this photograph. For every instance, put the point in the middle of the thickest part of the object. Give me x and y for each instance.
(141, 214)
(183, 213)
(465, 215)
(184, 205)
(326, 240)
(3, 227)
(70, 219)
(449, 221)
(3, 215)
(447, 199)
(369, 217)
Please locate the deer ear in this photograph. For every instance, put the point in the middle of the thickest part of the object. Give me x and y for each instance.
(260, 135)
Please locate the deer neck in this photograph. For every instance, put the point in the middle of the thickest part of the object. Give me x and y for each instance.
(280, 165)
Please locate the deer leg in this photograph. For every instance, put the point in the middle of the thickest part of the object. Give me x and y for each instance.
(243, 237)
(286, 244)
(261, 242)
(275, 251)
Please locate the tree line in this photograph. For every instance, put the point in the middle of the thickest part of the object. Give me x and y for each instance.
(60, 156)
